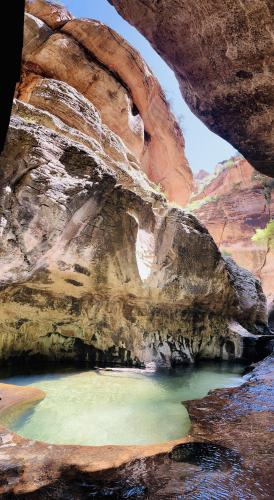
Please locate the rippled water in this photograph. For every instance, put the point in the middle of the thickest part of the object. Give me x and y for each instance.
(117, 407)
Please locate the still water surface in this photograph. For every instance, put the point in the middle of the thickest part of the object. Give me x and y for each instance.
(117, 407)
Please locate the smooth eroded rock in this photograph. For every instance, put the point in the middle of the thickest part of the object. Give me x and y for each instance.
(96, 266)
(222, 54)
(105, 272)
(163, 155)
(54, 14)
(104, 68)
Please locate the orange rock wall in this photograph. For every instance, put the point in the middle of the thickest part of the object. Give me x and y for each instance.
(112, 75)
(240, 201)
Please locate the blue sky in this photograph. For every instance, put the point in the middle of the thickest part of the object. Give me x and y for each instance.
(203, 148)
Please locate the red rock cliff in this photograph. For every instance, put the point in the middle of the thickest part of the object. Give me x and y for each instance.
(112, 75)
(233, 204)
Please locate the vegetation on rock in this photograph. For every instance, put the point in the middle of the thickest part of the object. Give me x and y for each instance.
(196, 205)
(266, 235)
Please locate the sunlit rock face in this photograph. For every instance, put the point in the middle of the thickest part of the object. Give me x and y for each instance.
(105, 69)
(54, 14)
(222, 54)
(94, 264)
(233, 203)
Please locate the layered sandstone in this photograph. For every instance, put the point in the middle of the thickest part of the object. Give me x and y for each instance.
(53, 14)
(222, 54)
(234, 203)
(201, 175)
(95, 265)
(105, 69)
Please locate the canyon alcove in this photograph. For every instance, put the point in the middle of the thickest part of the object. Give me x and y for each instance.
(126, 320)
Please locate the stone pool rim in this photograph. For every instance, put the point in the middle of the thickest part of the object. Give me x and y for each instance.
(21, 396)
(33, 464)
(87, 457)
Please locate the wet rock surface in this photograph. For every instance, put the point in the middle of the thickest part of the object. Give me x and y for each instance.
(228, 454)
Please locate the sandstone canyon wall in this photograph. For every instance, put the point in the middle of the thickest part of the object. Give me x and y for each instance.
(95, 264)
(234, 204)
(222, 54)
(106, 70)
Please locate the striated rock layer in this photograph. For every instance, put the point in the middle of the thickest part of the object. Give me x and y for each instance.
(222, 54)
(234, 203)
(105, 69)
(94, 264)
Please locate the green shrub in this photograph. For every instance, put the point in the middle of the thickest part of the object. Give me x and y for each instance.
(257, 176)
(197, 204)
(225, 253)
(158, 188)
(228, 164)
(222, 166)
(266, 235)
